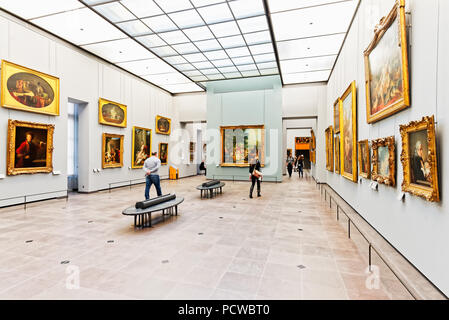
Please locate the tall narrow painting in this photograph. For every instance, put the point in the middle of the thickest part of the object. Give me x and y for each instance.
(348, 132)
(141, 148)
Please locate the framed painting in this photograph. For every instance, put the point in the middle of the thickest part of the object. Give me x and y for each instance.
(419, 159)
(364, 159)
(30, 147)
(141, 147)
(112, 150)
(384, 161)
(163, 125)
(163, 153)
(192, 151)
(111, 113)
(337, 116)
(348, 133)
(29, 90)
(312, 140)
(386, 67)
(337, 154)
(329, 133)
(241, 144)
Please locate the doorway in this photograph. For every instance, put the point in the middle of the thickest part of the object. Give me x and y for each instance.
(72, 146)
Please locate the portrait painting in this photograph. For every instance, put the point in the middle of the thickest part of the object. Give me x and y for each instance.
(337, 154)
(163, 125)
(163, 153)
(384, 161)
(112, 150)
(111, 113)
(337, 116)
(29, 90)
(386, 66)
(348, 143)
(241, 144)
(364, 159)
(419, 159)
(192, 151)
(30, 147)
(141, 147)
(329, 134)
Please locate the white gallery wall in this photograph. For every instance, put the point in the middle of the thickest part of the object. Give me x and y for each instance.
(416, 228)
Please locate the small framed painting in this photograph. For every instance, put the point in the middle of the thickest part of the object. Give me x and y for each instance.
(337, 116)
(329, 149)
(364, 159)
(163, 153)
(419, 159)
(111, 113)
(384, 161)
(163, 125)
(141, 148)
(112, 150)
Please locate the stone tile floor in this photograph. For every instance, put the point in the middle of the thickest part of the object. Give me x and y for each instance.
(284, 245)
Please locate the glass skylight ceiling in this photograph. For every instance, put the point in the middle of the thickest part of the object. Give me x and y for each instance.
(180, 44)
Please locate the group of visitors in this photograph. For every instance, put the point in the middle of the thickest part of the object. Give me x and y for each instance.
(297, 162)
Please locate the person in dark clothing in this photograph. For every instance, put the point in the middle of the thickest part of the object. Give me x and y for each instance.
(290, 162)
(300, 165)
(255, 175)
(203, 167)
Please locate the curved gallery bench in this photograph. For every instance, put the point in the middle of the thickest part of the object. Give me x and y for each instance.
(142, 210)
(211, 188)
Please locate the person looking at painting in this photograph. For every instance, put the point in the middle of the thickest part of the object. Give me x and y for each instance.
(255, 175)
(290, 162)
(26, 153)
(151, 167)
(300, 165)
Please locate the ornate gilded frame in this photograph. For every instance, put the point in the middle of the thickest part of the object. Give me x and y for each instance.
(103, 145)
(337, 117)
(389, 180)
(384, 24)
(102, 120)
(363, 174)
(243, 165)
(169, 123)
(432, 193)
(350, 90)
(329, 148)
(159, 151)
(313, 140)
(11, 151)
(337, 154)
(133, 145)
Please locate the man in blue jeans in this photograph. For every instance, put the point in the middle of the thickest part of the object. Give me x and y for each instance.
(151, 167)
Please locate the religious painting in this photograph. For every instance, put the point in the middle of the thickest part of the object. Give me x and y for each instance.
(364, 159)
(112, 113)
(112, 150)
(384, 161)
(337, 154)
(241, 144)
(192, 151)
(329, 133)
(337, 116)
(163, 125)
(386, 66)
(30, 147)
(141, 148)
(348, 143)
(419, 159)
(163, 153)
(29, 90)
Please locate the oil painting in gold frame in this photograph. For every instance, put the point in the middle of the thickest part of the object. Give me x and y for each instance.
(386, 66)
(240, 145)
(337, 116)
(112, 113)
(30, 147)
(348, 133)
(329, 134)
(337, 154)
(419, 159)
(364, 159)
(141, 146)
(112, 150)
(29, 90)
(163, 153)
(163, 125)
(384, 161)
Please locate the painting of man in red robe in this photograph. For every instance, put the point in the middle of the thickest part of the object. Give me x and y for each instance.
(30, 148)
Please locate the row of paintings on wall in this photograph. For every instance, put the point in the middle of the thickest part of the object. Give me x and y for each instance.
(418, 158)
(30, 148)
(33, 91)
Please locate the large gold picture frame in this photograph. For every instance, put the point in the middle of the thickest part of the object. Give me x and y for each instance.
(337, 116)
(384, 161)
(29, 90)
(112, 150)
(141, 146)
(112, 113)
(419, 159)
(386, 66)
(163, 153)
(313, 139)
(329, 134)
(364, 159)
(348, 133)
(337, 154)
(163, 125)
(242, 150)
(30, 147)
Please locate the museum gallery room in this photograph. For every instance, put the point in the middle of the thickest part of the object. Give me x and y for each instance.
(224, 150)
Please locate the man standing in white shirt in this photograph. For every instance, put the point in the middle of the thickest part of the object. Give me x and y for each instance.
(151, 167)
